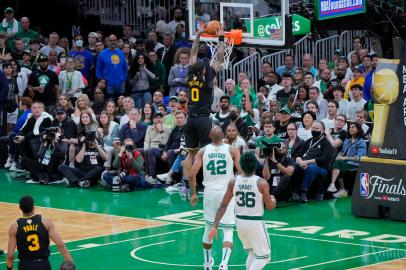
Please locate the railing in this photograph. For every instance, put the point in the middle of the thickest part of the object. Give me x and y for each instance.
(300, 48)
(251, 65)
(346, 37)
(276, 59)
(141, 14)
(324, 48)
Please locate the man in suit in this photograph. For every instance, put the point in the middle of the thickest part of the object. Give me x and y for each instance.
(166, 56)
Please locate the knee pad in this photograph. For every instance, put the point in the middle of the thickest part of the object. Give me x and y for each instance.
(228, 235)
(205, 239)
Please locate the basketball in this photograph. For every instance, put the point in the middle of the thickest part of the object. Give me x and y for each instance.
(212, 27)
(386, 86)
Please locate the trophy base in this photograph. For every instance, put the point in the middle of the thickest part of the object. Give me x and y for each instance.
(380, 189)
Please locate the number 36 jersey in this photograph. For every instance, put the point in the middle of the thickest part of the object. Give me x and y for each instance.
(218, 166)
(248, 198)
(32, 238)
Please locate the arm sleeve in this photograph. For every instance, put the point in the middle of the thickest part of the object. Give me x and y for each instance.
(150, 74)
(116, 162)
(147, 140)
(169, 141)
(99, 67)
(171, 77)
(138, 163)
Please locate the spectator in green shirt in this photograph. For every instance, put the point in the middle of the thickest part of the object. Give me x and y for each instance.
(26, 34)
(230, 91)
(159, 70)
(269, 137)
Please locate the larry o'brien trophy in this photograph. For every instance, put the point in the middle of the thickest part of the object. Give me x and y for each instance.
(380, 184)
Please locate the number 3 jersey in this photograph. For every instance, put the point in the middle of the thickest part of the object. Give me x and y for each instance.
(218, 166)
(32, 238)
(248, 198)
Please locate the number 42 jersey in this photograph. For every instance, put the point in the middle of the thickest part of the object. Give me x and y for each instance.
(218, 166)
(248, 199)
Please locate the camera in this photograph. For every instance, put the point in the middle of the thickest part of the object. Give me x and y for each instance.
(266, 152)
(50, 134)
(129, 147)
(90, 137)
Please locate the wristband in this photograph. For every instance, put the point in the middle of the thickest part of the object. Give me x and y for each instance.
(221, 38)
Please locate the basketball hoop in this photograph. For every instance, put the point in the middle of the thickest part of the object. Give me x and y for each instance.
(234, 37)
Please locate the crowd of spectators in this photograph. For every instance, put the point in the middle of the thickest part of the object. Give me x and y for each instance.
(102, 109)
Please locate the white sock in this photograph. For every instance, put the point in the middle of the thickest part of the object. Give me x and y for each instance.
(250, 260)
(226, 255)
(206, 255)
(259, 264)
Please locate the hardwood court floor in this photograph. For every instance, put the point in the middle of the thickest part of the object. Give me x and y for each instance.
(153, 230)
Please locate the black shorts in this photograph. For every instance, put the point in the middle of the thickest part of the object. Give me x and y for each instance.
(197, 131)
(41, 264)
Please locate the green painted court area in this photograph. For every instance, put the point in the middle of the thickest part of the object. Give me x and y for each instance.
(318, 235)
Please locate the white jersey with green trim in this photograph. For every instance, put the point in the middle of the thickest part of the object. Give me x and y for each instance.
(248, 198)
(218, 166)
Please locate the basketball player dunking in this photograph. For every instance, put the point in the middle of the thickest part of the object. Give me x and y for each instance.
(198, 125)
(31, 234)
(218, 160)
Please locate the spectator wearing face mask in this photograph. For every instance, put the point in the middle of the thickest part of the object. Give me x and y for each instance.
(84, 60)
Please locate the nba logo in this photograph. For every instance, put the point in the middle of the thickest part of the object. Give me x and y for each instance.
(364, 184)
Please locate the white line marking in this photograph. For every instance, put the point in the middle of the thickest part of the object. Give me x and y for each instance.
(132, 253)
(343, 259)
(359, 267)
(127, 240)
(77, 211)
(336, 242)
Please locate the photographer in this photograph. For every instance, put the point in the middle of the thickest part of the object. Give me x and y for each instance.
(277, 171)
(67, 126)
(45, 169)
(130, 169)
(269, 138)
(89, 161)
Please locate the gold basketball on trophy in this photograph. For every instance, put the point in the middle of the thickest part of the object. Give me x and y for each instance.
(386, 86)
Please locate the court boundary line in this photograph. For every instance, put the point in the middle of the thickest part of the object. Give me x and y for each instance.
(343, 259)
(358, 267)
(133, 255)
(79, 211)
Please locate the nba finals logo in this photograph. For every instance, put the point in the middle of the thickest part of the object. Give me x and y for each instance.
(364, 184)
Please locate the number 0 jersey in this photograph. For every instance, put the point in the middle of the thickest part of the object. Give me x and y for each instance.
(32, 238)
(201, 93)
(248, 198)
(218, 166)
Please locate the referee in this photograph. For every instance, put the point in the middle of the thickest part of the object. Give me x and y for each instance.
(31, 234)
(198, 125)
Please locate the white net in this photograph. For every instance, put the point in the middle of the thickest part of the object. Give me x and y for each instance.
(228, 49)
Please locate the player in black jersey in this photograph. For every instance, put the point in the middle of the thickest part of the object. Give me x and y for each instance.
(31, 234)
(200, 82)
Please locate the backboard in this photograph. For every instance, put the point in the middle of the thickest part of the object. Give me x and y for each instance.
(262, 21)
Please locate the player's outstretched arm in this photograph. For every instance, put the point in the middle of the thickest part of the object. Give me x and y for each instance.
(195, 45)
(218, 61)
(269, 200)
(12, 244)
(222, 209)
(235, 154)
(57, 239)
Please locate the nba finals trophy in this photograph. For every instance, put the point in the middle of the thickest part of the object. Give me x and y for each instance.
(380, 184)
(386, 91)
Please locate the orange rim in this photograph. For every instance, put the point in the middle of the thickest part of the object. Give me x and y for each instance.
(234, 34)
